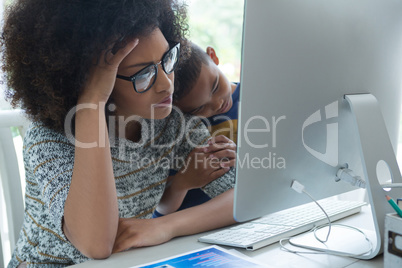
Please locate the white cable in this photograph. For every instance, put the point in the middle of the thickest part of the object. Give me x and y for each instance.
(326, 215)
(328, 251)
(298, 187)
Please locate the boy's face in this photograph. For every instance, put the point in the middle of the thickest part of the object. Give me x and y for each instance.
(211, 95)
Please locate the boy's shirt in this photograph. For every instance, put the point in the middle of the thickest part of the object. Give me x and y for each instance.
(226, 124)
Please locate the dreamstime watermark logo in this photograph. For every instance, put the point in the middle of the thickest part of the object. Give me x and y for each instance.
(330, 156)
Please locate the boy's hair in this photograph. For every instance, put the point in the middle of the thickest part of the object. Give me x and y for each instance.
(49, 46)
(188, 71)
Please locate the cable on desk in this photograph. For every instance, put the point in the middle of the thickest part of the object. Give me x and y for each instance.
(298, 187)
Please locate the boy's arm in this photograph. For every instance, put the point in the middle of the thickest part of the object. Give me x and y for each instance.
(216, 213)
(189, 177)
(203, 165)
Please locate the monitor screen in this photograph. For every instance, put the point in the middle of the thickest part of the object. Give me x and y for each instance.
(299, 60)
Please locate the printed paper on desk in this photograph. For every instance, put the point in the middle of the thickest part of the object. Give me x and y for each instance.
(212, 256)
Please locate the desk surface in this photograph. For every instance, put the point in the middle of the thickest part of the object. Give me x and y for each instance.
(271, 255)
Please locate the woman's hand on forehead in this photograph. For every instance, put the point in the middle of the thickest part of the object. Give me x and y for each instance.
(102, 76)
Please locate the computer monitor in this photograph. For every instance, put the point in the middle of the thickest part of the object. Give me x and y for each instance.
(301, 59)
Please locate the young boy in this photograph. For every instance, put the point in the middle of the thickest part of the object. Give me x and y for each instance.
(203, 90)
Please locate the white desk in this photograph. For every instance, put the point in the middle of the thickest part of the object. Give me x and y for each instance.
(271, 255)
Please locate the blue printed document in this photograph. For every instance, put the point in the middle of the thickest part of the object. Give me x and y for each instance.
(212, 256)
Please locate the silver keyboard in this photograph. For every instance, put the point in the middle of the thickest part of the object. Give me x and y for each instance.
(286, 223)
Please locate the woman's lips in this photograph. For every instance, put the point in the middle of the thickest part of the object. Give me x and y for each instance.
(165, 102)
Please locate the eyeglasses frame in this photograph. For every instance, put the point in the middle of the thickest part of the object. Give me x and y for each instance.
(132, 77)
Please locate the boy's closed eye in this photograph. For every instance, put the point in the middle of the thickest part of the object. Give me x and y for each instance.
(214, 89)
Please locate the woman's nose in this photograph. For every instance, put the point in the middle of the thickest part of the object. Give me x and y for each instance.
(164, 82)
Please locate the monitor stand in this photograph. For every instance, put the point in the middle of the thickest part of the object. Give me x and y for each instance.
(375, 146)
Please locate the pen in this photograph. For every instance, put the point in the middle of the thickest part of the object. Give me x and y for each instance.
(394, 205)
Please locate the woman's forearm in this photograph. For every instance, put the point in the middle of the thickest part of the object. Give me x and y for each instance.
(173, 196)
(215, 213)
(91, 210)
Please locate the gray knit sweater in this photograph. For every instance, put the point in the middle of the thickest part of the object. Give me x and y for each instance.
(140, 171)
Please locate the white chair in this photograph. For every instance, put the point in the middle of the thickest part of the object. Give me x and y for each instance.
(10, 180)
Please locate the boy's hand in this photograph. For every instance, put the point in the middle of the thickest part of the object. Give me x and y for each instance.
(207, 163)
(223, 148)
(200, 169)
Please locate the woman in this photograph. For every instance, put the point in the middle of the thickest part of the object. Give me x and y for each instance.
(95, 177)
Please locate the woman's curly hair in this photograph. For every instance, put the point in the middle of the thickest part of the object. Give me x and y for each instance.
(48, 46)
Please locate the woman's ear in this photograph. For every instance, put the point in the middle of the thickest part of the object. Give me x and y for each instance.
(212, 54)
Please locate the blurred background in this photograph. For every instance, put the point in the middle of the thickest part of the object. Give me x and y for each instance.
(218, 23)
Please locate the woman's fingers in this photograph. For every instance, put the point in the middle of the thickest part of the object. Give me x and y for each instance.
(114, 58)
(102, 75)
(124, 242)
(140, 233)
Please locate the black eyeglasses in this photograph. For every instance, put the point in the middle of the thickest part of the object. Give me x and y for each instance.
(144, 79)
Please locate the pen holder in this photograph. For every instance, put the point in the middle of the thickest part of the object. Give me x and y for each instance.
(393, 241)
